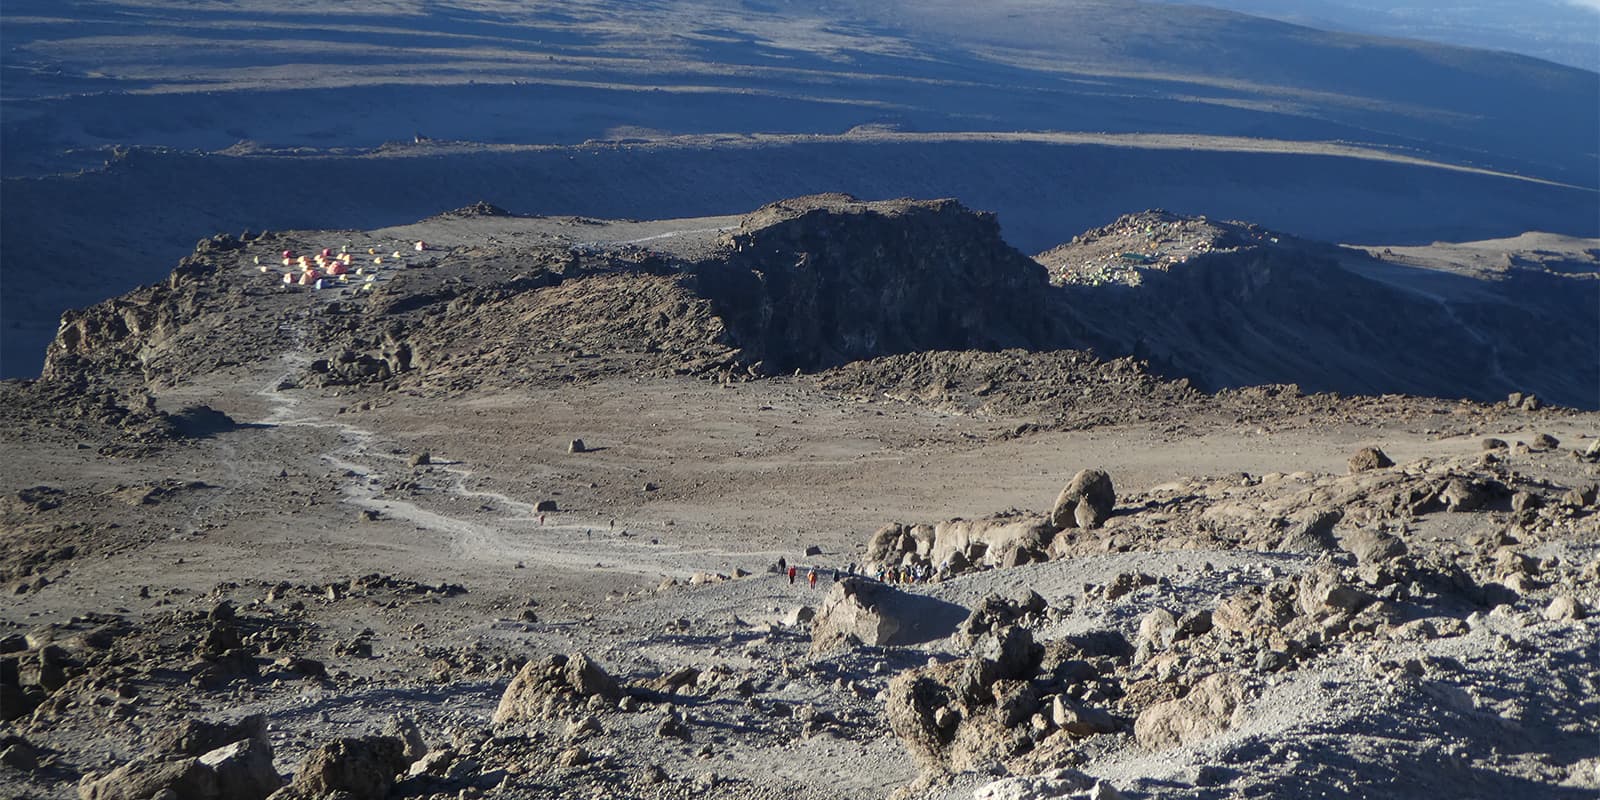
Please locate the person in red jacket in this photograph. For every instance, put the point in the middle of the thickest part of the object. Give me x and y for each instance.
(792, 571)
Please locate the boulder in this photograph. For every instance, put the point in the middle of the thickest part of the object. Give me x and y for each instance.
(18, 754)
(799, 615)
(1369, 458)
(884, 545)
(1374, 547)
(913, 702)
(588, 678)
(404, 728)
(1091, 489)
(856, 609)
(576, 446)
(1491, 443)
(813, 550)
(1014, 701)
(1460, 494)
(183, 776)
(568, 680)
(1564, 608)
(1580, 496)
(1310, 531)
(959, 543)
(1545, 441)
(1158, 628)
(572, 757)
(1525, 501)
(1194, 623)
(1008, 654)
(1208, 709)
(243, 770)
(362, 768)
(1324, 590)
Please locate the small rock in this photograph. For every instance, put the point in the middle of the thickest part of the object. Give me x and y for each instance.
(1105, 791)
(421, 459)
(799, 615)
(1080, 720)
(1580, 496)
(576, 446)
(583, 726)
(1545, 441)
(573, 757)
(1492, 443)
(1564, 608)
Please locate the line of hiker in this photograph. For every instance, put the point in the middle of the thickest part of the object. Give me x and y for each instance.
(914, 574)
(812, 575)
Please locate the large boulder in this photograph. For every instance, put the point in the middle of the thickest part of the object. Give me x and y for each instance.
(588, 678)
(1085, 502)
(147, 777)
(243, 770)
(361, 768)
(856, 609)
(195, 760)
(553, 684)
(1208, 709)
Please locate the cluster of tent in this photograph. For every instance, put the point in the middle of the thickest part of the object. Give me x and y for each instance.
(312, 271)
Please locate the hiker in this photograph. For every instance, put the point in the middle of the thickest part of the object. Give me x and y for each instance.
(811, 577)
(835, 574)
(792, 571)
(783, 565)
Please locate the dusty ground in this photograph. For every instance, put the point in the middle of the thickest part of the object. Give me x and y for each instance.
(656, 558)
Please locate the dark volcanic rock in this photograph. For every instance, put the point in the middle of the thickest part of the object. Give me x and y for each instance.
(815, 282)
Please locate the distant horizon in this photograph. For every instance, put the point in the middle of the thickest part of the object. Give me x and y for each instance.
(1550, 30)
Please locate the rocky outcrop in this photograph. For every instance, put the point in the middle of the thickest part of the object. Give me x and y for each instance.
(818, 281)
(1232, 304)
